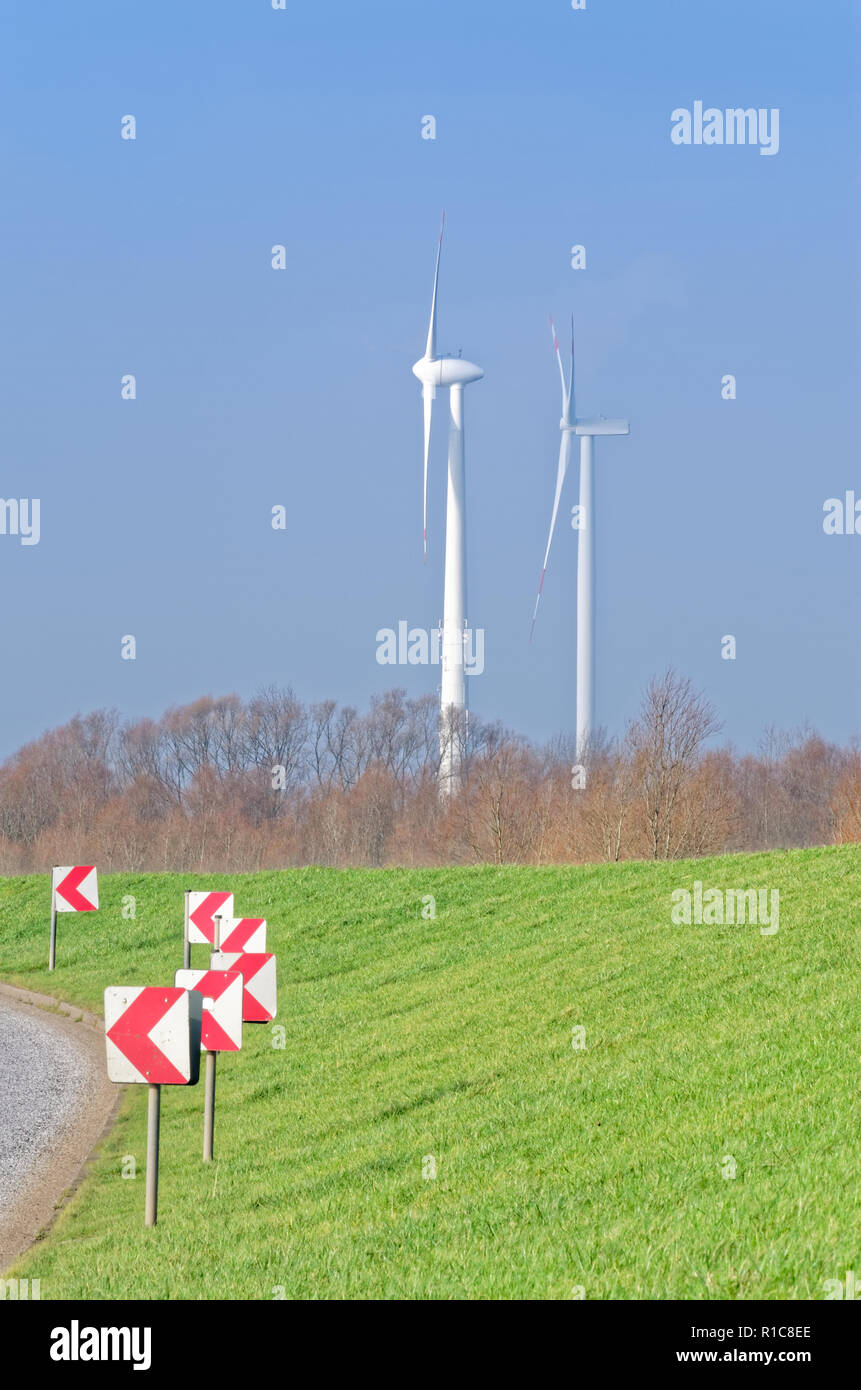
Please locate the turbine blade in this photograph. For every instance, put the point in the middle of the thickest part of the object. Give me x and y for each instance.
(430, 350)
(559, 360)
(561, 470)
(428, 393)
(571, 412)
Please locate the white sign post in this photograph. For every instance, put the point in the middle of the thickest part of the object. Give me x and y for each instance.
(200, 916)
(260, 995)
(221, 1031)
(243, 934)
(74, 888)
(152, 1036)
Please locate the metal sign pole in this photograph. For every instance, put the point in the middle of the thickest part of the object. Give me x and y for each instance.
(209, 1094)
(153, 1117)
(209, 1107)
(186, 944)
(52, 948)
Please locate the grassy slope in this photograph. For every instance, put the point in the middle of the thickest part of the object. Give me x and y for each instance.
(451, 1037)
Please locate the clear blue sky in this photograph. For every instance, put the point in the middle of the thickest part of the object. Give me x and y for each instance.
(257, 387)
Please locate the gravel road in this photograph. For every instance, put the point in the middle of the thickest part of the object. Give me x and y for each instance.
(55, 1105)
(43, 1078)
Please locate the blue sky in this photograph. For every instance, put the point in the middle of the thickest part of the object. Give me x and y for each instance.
(257, 387)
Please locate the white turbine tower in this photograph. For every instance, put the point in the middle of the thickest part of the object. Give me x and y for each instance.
(587, 430)
(452, 372)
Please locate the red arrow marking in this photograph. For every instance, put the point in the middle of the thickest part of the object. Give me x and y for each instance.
(248, 965)
(253, 1011)
(212, 985)
(131, 1032)
(202, 916)
(242, 933)
(213, 1036)
(69, 888)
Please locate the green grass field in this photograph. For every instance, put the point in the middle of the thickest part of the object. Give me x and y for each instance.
(410, 1038)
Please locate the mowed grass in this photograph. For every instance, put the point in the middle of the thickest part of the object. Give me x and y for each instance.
(410, 1038)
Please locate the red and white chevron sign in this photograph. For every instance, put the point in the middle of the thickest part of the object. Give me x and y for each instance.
(75, 888)
(152, 1034)
(221, 1029)
(202, 907)
(243, 934)
(259, 996)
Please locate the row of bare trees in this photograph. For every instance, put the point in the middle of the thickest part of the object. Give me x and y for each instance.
(226, 785)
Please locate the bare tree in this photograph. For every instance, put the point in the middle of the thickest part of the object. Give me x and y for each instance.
(195, 789)
(608, 798)
(664, 745)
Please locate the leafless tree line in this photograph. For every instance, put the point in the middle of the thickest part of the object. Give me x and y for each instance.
(226, 785)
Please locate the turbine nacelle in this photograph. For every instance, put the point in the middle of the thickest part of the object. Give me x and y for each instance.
(446, 371)
(595, 427)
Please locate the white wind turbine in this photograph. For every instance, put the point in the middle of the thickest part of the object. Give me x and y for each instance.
(587, 431)
(455, 373)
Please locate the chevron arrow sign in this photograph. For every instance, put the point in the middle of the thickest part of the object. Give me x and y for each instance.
(259, 996)
(243, 934)
(75, 888)
(202, 907)
(221, 1028)
(152, 1034)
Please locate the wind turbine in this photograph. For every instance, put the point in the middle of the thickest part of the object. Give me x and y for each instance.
(434, 370)
(587, 430)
